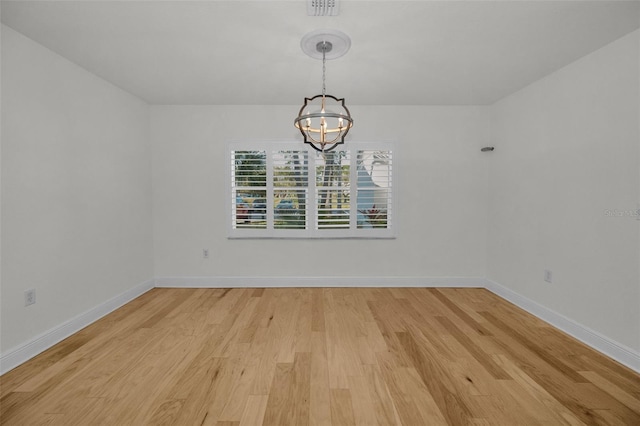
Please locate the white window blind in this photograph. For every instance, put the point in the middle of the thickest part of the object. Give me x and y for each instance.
(289, 190)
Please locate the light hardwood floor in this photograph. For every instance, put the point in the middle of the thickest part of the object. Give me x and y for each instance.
(331, 356)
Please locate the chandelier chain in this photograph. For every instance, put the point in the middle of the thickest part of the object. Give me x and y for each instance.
(324, 67)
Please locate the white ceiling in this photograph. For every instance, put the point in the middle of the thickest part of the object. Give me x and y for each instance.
(248, 52)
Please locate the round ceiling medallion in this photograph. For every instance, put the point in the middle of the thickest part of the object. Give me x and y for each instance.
(340, 43)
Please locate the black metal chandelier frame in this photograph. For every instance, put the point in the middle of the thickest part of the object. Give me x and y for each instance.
(324, 129)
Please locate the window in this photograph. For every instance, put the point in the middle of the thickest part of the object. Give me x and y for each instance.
(289, 190)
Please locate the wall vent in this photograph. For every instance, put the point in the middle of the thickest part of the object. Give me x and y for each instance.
(323, 7)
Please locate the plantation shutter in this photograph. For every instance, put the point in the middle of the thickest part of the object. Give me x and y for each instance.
(285, 190)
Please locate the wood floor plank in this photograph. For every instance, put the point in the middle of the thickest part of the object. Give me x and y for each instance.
(258, 292)
(485, 360)
(320, 356)
(536, 396)
(241, 386)
(287, 324)
(254, 409)
(416, 389)
(260, 317)
(289, 397)
(167, 412)
(227, 299)
(342, 346)
(320, 395)
(301, 388)
(304, 324)
(200, 383)
(435, 377)
(363, 411)
(615, 391)
(384, 408)
(230, 375)
(161, 380)
(623, 377)
(382, 317)
(341, 408)
(460, 313)
(267, 343)
(534, 347)
(317, 310)
(166, 310)
(403, 401)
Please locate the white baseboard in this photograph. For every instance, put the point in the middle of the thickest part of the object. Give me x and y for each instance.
(597, 341)
(270, 282)
(38, 344)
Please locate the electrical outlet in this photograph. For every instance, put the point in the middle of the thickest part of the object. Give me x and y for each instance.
(30, 297)
(205, 253)
(548, 276)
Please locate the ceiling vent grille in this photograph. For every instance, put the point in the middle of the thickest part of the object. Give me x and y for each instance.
(323, 7)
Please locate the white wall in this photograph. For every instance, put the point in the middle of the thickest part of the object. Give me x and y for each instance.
(567, 152)
(441, 179)
(76, 190)
(1, 238)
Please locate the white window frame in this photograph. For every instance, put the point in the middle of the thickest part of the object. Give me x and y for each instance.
(311, 232)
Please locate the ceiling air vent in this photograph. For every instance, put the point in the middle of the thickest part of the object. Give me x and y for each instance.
(323, 7)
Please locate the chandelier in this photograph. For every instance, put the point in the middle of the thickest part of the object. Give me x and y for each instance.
(324, 120)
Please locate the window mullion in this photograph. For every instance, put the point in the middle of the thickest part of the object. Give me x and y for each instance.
(312, 202)
(353, 190)
(270, 191)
